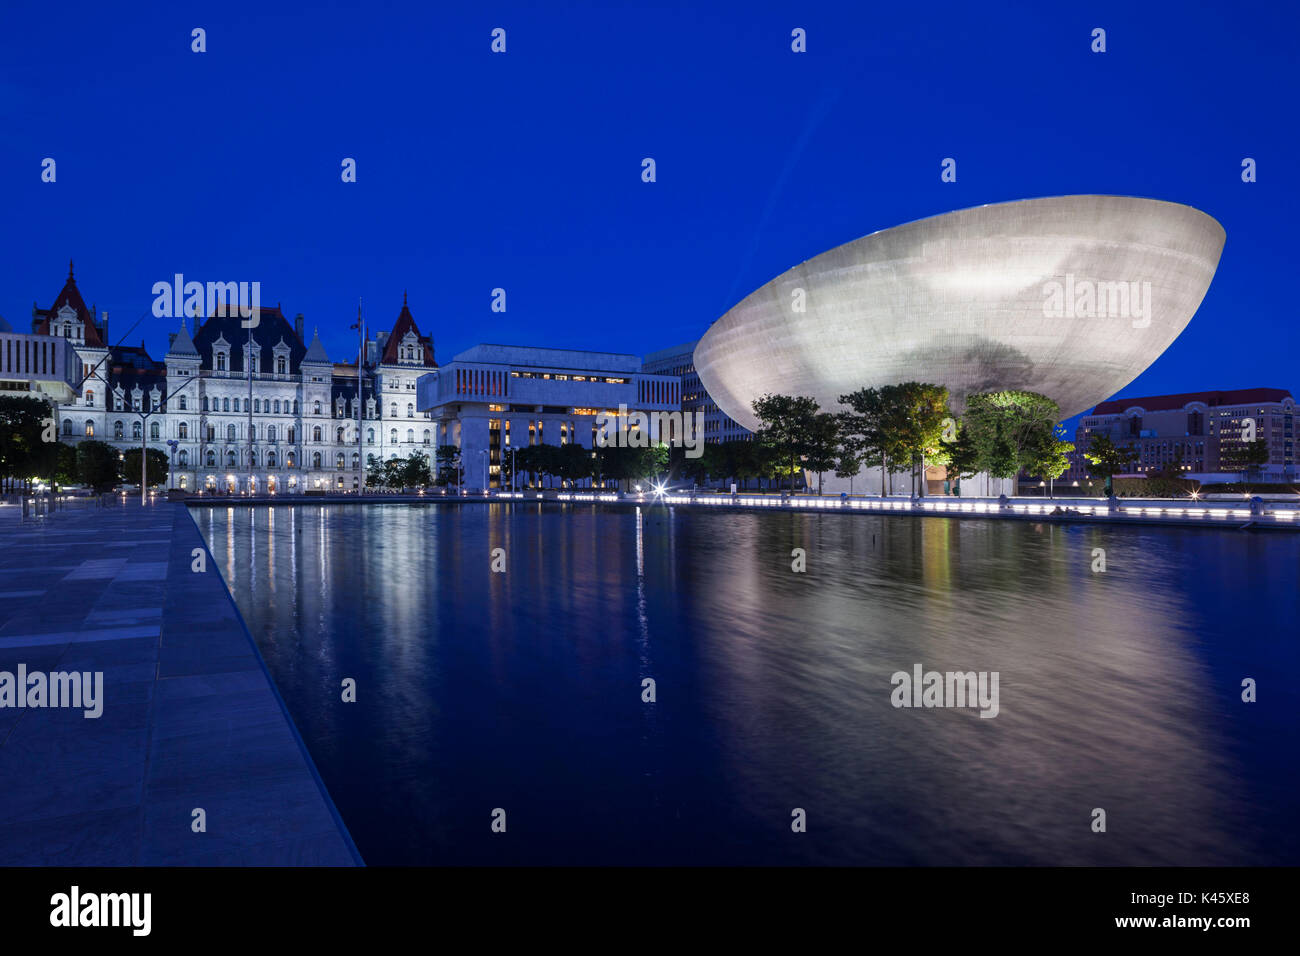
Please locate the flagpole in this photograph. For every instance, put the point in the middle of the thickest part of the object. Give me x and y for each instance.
(361, 362)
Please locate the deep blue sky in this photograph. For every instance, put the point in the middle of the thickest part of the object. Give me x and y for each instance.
(523, 170)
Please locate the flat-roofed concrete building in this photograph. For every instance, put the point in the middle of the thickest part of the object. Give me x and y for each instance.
(680, 361)
(1196, 433)
(491, 398)
(38, 366)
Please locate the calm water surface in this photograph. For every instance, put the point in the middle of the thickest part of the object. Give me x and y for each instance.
(522, 690)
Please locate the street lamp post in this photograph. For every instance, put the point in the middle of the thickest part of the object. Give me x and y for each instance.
(171, 464)
(144, 436)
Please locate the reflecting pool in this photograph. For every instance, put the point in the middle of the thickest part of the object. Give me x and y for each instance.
(522, 690)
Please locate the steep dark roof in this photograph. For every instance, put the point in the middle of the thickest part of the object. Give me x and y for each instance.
(70, 295)
(181, 344)
(131, 367)
(272, 328)
(1168, 403)
(405, 324)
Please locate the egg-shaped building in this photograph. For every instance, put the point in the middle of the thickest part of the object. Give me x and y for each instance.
(1071, 296)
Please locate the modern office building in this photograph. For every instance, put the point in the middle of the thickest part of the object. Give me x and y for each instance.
(1194, 433)
(680, 361)
(491, 398)
(1071, 297)
(37, 366)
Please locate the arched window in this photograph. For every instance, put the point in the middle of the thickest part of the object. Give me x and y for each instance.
(245, 405)
(252, 459)
(426, 436)
(338, 460)
(252, 433)
(67, 426)
(393, 414)
(183, 430)
(225, 404)
(153, 431)
(292, 434)
(392, 436)
(90, 396)
(270, 459)
(410, 410)
(230, 460)
(183, 482)
(317, 407)
(221, 361)
(277, 406)
(257, 405)
(356, 461)
(280, 367)
(183, 458)
(90, 428)
(230, 433)
(182, 403)
(315, 459)
(212, 458)
(270, 433)
(315, 433)
(370, 436)
(288, 460)
(295, 406)
(410, 434)
(117, 429)
(339, 435)
(205, 403)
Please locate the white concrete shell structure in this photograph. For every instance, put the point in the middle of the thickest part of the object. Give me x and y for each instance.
(1019, 295)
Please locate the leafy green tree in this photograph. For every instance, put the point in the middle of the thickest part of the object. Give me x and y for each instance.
(155, 465)
(448, 465)
(821, 445)
(97, 465)
(1008, 431)
(573, 463)
(416, 472)
(1105, 460)
(1051, 458)
(23, 452)
(847, 465)
(699, 470)
(896, 425)
(65, 467)
(785, 424)
(918, 412)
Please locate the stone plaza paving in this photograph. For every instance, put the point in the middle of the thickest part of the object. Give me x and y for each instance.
(190, 719)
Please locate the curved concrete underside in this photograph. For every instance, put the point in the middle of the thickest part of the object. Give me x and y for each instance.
(963, 299)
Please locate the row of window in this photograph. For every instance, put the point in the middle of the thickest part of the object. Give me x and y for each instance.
(272, 435)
